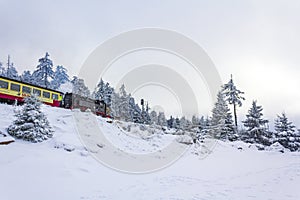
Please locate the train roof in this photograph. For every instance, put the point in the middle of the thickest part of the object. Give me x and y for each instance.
(10, 79)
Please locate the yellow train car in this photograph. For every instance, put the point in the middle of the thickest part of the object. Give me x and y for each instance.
(12, 90)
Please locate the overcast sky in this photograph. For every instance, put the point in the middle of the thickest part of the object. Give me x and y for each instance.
(257, 41)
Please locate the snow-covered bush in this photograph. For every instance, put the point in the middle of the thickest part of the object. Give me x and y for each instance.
(277, 147)
(290, 140)
(184, 139)
(31, 123)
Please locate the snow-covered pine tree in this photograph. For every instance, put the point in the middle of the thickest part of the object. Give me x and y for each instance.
(188, 124)
(282, 124)
(222, 126)
(108, 91)
(183, 123)
(204, 129)
(145, 113)
(202, 123)
(176, 123)
(26, 76)
(170, 122)
(131, 109)
(124, 104)
(99, 90)
(60, 77)
(115, 105)
(2, 70)
(153, 117)
(233, 96)
(256, 126)
(204, 126)
(31, 124)
(79, 87)
(103, 91)
(161, 119)
(134, 111)
(138, 114)
(11, 71)
(286, 134)
(195, 121)
(44, 72)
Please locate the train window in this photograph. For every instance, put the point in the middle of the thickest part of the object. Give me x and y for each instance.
(26, 89)
(55, 96)
(46, 94)
(3, 84)
(15, 87)
(37, 92)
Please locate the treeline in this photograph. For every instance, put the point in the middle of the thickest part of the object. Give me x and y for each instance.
(222, 124)
(44, 75)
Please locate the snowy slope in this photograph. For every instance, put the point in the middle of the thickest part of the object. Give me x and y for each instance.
(61, 168)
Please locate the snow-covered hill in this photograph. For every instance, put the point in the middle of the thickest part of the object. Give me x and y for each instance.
(62, 168)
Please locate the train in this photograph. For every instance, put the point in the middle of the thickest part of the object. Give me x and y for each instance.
(14, 90)
(98, 107)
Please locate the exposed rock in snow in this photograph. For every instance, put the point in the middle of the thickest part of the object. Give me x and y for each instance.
(5, 139)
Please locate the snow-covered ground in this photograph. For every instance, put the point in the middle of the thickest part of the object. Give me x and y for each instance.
(61, 168)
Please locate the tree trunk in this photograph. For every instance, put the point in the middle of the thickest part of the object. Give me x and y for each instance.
(235, 116)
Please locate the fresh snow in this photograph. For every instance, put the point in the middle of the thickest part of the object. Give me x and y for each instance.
(61, 167)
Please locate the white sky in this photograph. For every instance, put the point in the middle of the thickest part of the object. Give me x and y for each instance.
(257, 41)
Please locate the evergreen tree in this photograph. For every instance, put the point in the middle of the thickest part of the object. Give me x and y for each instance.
(44, 72)
(26, 76)
(183, 123)
(222, 126)
(188, 124)
(2, 70)
(124, 104)
(108, 91)
(31, 124)
(195, 120)
(256, 126)
(204, 129)
(138, 114)
(115, 102)
(161, 119)
(60, 77)
(9, 72)
(170, 122)
(205, 124)
(145, 112)
(282, 124)
(176, 123)
(79, 87)
(104, 92)
(153, 117)
(286, 134)
(134, 111)
(12, 73)
(233, 96)
(147, 115)
(99, 90)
